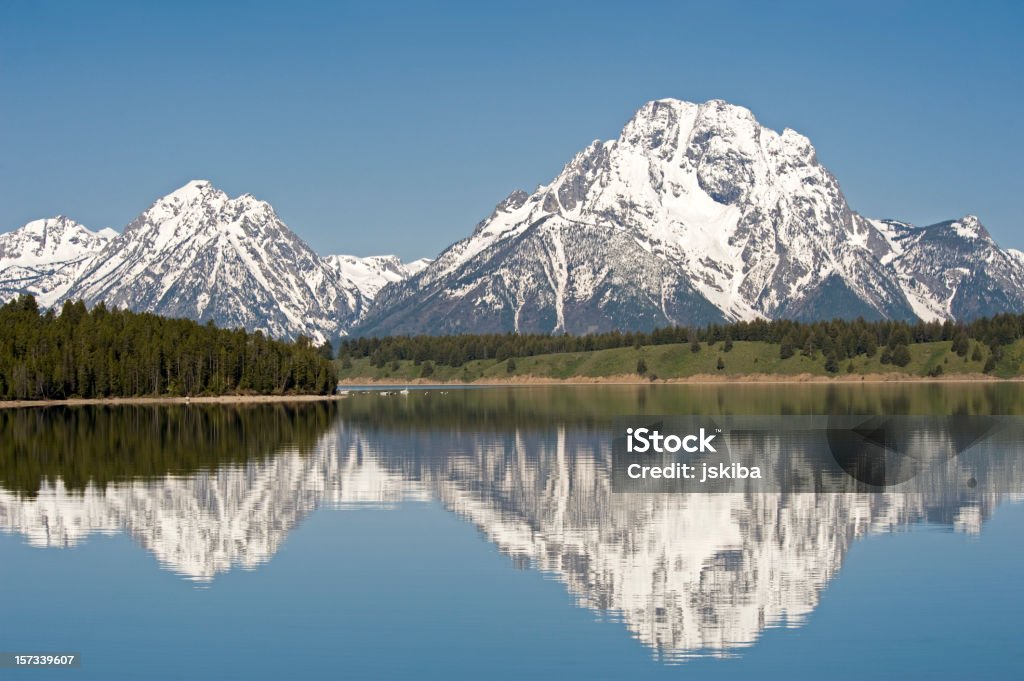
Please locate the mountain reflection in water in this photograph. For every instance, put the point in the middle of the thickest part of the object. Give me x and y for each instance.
(209, 489)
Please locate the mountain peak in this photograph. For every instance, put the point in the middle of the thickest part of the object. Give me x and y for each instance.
(44, 257)
(59, 233)
(713, 133)
(193, 194)
(695, 214)
(199, 254)
(197, 185)
(970, 227)
(712, 109)
(192, 190)
(196, 205)
(41, 226)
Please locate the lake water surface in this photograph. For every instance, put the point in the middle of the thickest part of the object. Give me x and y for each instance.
(474, 534)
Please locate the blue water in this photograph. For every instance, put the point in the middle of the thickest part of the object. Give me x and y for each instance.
(414, 592)
(449, 554)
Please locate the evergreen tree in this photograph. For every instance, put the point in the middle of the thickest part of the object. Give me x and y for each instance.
(845, 339)
(115, 353)
(786, 350)
(831, 363)
(960, 344)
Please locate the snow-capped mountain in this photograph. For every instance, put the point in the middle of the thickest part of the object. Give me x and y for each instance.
(373, 273)
(45, 257)
(198, 253)
(695, 214)
(953, 269)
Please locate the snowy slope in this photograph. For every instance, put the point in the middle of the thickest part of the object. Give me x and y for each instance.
(373, 273)
(953, 269)
(198, 253)
(695, 214)
(44, 257)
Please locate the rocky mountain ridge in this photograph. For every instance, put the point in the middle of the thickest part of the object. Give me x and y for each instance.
(695, 214)
(198, 253)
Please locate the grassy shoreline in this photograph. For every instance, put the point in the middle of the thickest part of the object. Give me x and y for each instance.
(745, 361)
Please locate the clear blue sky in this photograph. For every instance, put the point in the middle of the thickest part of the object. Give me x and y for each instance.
(380, 127)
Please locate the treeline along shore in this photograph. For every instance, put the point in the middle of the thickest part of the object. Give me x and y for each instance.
(987, 347)
(104, 353)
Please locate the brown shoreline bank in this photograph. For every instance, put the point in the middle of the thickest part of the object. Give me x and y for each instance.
(521, 381)
(696, 379)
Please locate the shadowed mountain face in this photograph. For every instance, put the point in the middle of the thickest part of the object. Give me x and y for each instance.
(954, 270)
(699, 574)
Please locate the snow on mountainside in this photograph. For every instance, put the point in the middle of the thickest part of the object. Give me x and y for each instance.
(373, 273)
(198, 253)
(954, 269)
(44, 257)
(695, 214)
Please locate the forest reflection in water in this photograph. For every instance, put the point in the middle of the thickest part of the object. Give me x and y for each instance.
(209, 488)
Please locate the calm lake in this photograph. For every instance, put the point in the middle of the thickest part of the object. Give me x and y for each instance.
(474, 534)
